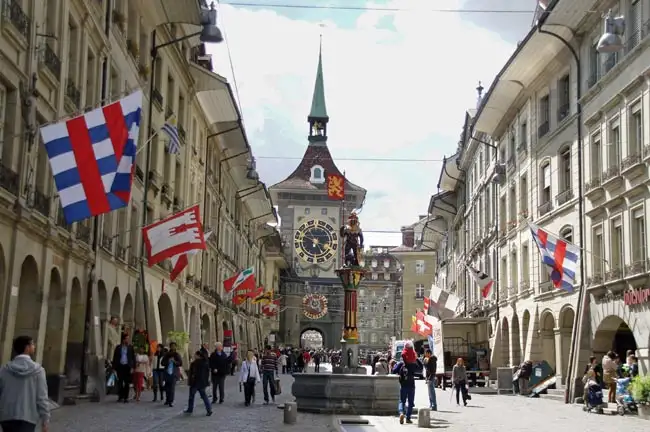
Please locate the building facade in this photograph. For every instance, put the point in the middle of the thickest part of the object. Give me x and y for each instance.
(418, 272)
(380, 299)
(46, 264)
(310, 223)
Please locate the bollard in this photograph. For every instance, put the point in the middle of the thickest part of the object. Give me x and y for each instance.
(290, 413)
(424, 418)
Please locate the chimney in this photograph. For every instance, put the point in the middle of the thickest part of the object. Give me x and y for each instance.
(408, 237)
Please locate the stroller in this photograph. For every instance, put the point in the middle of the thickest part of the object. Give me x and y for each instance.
(594, 397)
(624, 402)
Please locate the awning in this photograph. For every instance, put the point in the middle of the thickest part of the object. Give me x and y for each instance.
(449, 174)
(442, 205)
(261, 206)
(174, 11)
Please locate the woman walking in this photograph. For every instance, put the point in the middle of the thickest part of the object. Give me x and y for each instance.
(249, 376)
(141, 366)
(459, 378)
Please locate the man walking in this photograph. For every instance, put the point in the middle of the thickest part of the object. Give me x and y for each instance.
(198, 381)
(406, 369)
(317, 358)
(269, 372)
(123, 365)
(172, 363)
(430, 366)
(220, 367)
(23, 391)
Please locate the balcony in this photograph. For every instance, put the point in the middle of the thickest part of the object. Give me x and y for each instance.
(139, 174)
(564, 197)
(595, 280)
(181, 133)
(631, 166)
(545, 287)
(630, 161)
(563, 111)
(611, 173)
(545, 208)
(121, 252)
(158, 98)
(73, 94)
(14, 13)
(615, 273)
(134, 261)
(52, 62)
(9, 180)
(168, 112)
(510, 163)
(543, 129)
(166, 197)
(83, 233)
(61, 222)
(107, 243)
(41, 203)
(636, 268)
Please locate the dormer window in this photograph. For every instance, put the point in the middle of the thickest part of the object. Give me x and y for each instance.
(317, 174)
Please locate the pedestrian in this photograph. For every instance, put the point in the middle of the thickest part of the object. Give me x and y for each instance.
(205, 350)
(283, 362)
(235, 359)
(24, 398)
(158, 372)
(124, 366)
(198, 380)
(172, 362)
(381, 367)
(430, 367)
(406, 369)
(269, 373)
(141, 363)
(459, 379)
(317, 362)
(220, 366)
(609, 375)
(249, 376)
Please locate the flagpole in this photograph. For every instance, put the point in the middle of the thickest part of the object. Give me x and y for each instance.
(342, 211)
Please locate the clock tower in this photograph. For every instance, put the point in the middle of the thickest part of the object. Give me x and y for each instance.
(310, 224)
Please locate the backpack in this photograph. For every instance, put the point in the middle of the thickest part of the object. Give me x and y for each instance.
(403, 374)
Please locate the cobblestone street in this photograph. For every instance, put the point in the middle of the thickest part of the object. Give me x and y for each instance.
(145, 416)
(492, 413)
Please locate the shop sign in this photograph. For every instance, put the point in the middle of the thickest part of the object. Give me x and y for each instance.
(637, 296)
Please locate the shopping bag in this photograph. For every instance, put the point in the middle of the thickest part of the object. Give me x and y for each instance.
(111, 380)
(278, 388)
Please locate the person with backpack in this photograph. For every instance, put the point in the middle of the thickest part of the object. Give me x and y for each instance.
(406, 370)
(430, 367)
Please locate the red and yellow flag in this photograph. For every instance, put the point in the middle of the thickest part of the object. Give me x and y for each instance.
(335, 187)
(239, 299)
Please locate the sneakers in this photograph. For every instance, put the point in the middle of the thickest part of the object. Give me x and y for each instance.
(208, 414)
(409, 421)
(401, 418)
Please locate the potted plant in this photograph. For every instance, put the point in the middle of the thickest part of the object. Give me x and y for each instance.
(180, 338)
(640, 391)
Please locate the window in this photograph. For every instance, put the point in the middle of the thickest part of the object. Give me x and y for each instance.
(633, 23)
(565, 169)
(419, 291)
(545, 196)
(323, 211)
(596, 156)
(374, 263)
(566, 234)
(317, 174)
(502, 213)
(636, 131)
(513, 142)
(639, 253)
(525, 263)
(544, 116)
(514, 276)
(598, 254)
(419, 267)
(616, 261)
(373, 307)
(594, 64)
(307, 210)
(614, 145)
(523, 196)
(563, 97)
(386, 263)
(513, 205)
(374, 276)
(523, 135)
(373, 338)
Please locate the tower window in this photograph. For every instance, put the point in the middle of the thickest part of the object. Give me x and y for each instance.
(317, 174)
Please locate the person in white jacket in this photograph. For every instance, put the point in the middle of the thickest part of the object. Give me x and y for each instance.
(249, 376)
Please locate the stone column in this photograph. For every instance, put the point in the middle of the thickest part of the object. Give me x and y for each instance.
(557, 332)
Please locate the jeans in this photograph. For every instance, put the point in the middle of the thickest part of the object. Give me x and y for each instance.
(316, 367)
(406, 394)
(284, 369)
(249, 391)
(158, 379)
(170, 387)
(17, 426)
(204, 396)
(433, 403)
(268, 380)
(461, 388)
(123, 381)
(218, 382)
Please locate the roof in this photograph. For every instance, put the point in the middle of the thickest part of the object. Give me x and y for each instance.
(318, 107)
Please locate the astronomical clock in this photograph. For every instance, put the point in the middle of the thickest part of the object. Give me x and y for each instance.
(316, 243)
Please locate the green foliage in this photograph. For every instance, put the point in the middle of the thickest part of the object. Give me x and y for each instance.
(181, 339)
(640, 389)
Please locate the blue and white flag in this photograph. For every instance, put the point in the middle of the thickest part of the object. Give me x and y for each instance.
(171, 131)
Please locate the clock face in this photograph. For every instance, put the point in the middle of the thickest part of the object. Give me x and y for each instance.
(316, 241)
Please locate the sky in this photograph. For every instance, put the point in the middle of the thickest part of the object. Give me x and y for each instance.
(397, 86)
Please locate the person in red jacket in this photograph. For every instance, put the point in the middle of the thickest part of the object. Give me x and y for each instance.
(307, 358)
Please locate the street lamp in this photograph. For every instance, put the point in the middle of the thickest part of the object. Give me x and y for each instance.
(209, 33)
(611, 41)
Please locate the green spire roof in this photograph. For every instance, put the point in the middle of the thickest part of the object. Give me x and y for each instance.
(318, 108)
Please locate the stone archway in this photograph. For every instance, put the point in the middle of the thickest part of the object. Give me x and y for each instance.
(505, 342)
(194, 330)
(29, 300)
(166, 315)
(116, 304)
(206, 329)
(525, 326)
(128, 312)
(53, 344)
(567, 317)
(547, 337)
(515, 341)
(312, 338)
(613, 333)
(104, 317)
(76, 327)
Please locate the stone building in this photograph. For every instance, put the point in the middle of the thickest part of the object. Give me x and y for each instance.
(45, 264)
(380, 299)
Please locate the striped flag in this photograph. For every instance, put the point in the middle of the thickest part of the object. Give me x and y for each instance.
(171, 131)
(483, 281)
(560, 256)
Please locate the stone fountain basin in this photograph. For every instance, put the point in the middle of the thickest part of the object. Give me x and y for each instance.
(349, 394)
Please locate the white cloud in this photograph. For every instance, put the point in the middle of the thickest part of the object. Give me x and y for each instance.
(399, 91)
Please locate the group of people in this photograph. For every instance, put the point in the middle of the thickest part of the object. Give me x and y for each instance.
(607, 371)
(297, 360)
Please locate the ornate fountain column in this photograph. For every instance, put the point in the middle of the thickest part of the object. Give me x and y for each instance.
(351, 277)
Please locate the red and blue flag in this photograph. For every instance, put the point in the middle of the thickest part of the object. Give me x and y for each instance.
(560, 256)
(92, 158)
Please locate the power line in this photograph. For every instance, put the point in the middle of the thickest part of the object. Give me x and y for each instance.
(396, 160)
(380, 9)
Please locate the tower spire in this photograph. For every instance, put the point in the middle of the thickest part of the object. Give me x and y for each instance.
(318, 117)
